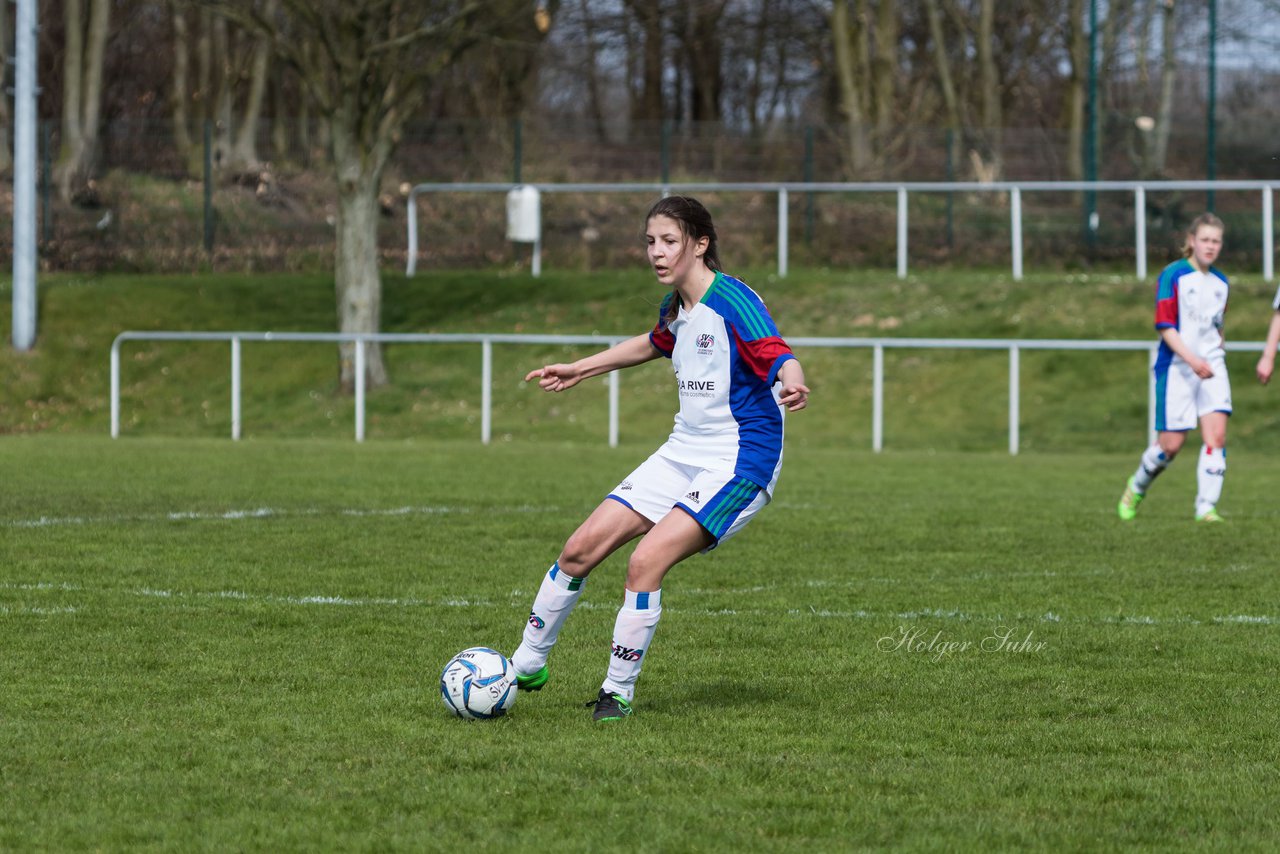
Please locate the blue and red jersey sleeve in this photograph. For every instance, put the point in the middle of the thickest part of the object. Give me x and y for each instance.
(1167, 297)
(661, 338)
(764, 356)
(755, 335)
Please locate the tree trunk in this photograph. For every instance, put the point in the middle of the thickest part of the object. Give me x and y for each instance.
(83, 62)
(72, 79)
(648, 107)
(989, 85)
(280, 117)
(844, 39)
(204, 66)
(596, 105)
(703, 49)
(1141, 44)
(6, 162)
(1078, 52)
(244, 151)
(221, 107)
(884, 68)
(946, 81)
(181, 91)
(357, 280)
(1168, 75)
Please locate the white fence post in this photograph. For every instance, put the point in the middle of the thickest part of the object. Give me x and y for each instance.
(115, 389)
(1268, 236)
(536, 264)
(359, 345)
(1015, 230)
(1013, 399)
(902, 232)
(877, 398)
(1151, 392)
(613, 409)
(486, 390)
(782, 232)
(235, 387)
(1140, 230)
(411, 212)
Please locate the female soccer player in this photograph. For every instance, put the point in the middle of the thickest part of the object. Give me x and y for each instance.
(734, 373)
(1190, 372)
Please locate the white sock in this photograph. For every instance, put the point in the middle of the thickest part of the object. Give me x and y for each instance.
(632, 634)
(556, 597)
(1209, 474)
(1153, 462)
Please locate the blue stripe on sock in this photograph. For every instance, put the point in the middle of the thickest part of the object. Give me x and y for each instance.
(642, 601)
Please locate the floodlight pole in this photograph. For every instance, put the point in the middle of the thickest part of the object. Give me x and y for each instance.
(24, 177)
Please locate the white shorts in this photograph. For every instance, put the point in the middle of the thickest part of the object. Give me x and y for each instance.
(1182, 397)
(720, 501)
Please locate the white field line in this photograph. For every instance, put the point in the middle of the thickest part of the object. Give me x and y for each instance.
(519, 599)
(260, 513)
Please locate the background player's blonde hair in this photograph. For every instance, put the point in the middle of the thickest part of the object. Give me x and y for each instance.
(1196, 224)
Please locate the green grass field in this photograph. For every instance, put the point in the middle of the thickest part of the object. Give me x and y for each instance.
(220, 646)
(216, 646)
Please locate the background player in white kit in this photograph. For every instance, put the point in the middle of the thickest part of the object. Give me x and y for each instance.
(734, 374)
(1190, 371)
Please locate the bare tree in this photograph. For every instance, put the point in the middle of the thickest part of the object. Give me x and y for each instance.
(372, 65)
(1168, 75)
(990, 98)
(848, 40)
(647, 104)
(703, 53)
(1077, 81)
(82, 82)
(244, 150)
(594, 96)
(946, 80)
(6, 161)
(180, 90)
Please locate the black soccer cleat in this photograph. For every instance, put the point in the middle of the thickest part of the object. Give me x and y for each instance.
(609, 707)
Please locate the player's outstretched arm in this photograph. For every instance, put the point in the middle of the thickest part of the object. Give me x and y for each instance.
(559, 377)
(1267, 364)
(795, 394)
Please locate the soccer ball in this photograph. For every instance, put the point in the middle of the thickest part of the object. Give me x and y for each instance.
(478, 683)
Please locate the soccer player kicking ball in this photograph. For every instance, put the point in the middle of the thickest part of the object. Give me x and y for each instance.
(735, 375)
(1190, 371)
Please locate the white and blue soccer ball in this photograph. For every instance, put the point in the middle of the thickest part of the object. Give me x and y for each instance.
(478, 683)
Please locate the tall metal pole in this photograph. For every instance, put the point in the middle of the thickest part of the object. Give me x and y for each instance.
(24, 178)
(1211, 164)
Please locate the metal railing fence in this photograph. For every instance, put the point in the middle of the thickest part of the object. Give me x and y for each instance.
(486, 342)
(1139, 189)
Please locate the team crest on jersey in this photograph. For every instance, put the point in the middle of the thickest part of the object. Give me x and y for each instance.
(705, 342)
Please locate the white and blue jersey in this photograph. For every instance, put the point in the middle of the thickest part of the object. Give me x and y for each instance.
(1195, 304)
(726, 352)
